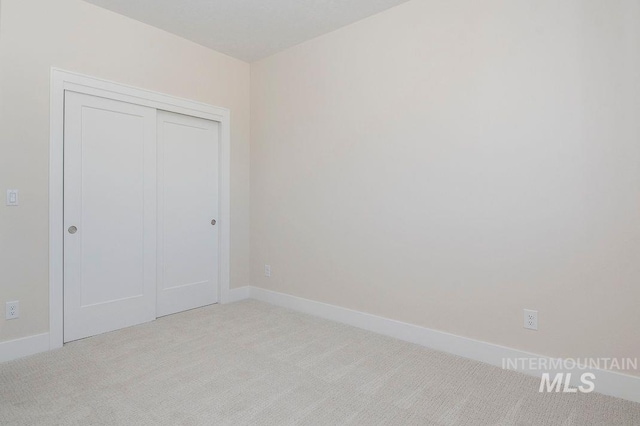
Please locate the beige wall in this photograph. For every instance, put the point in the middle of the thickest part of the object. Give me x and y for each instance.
(449, 163)
(76, 36)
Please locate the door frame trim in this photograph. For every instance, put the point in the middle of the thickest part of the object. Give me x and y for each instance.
(62, 81)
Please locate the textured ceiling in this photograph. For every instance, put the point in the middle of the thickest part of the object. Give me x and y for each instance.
(247, 29)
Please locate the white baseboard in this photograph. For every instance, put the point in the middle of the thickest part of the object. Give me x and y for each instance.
(237, 294)
(607, 382)
(18, 348)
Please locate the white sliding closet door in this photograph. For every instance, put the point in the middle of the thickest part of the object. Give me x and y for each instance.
(109, 215)
(187, 212)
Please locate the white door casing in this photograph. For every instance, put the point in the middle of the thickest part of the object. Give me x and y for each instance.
(109, 215)
(187, 212)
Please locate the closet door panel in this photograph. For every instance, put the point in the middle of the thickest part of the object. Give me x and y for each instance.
(187, 213)
(109, 215)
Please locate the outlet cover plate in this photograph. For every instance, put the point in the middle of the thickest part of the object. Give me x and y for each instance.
(12, 197)
(12, 310)
(530, 319)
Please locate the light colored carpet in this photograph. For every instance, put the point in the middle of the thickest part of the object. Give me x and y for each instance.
(252, 363)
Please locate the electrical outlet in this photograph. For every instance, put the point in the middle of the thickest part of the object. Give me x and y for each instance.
(267, 270)
(12, 197)
(13, 310)
(530, 319)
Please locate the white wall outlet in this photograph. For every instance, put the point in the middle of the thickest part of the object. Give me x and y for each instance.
(267, 270)
(12, 197)
(12, 310)
(530, 319)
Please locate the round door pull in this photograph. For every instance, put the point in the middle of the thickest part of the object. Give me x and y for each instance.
(213, 221)
(73, 229)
